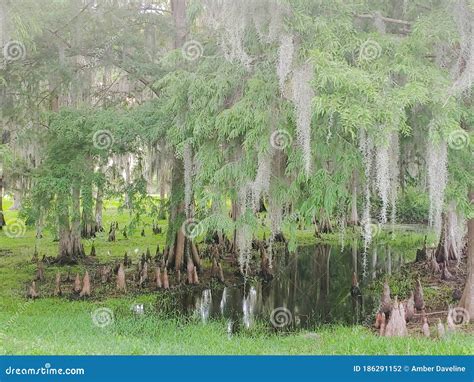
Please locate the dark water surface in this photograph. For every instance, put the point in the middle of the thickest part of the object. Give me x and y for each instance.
(311, 287)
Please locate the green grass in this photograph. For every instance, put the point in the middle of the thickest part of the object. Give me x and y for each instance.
(50, 326)
(60, 326)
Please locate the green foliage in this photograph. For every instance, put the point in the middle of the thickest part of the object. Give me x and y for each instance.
(412, 206)
(227, 112)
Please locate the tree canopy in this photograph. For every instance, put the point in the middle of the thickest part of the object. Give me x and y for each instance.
(296, 103)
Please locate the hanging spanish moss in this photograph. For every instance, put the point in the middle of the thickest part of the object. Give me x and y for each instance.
(275, 215)
(303, 95)
(342, 231)
(285, 59)
(405, 7)
(330, 126)
(244, 233)
(276, 12)
(188, 178)
(262, 179)
(268, 17)
(260, 20)
(230, 19)
(383, 178)
(151, 164)
(464, 69)
(244, 244)
(123, 166)
(233, 19)
(393, 162)
(436, 161)
(366, 148)
(443, 55)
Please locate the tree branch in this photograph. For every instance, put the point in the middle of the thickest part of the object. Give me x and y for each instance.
(55, 33)
(385, 19)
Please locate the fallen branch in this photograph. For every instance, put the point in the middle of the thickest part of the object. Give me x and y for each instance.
(383, 18)
(431, 313)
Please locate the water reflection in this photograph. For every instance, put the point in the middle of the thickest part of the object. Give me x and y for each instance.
(223, 300)
(314, 284)
(204, 304)
(249, 304)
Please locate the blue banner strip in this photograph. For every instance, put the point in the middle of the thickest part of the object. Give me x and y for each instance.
(236, 368)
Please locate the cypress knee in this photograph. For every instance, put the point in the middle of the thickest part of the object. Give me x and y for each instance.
(158, 278)
(77, 284)
(382, 325)
(440, 328)
(386, 301)
(32, 293)
(86, 286)
(190, 271)
(410, 307)
(396, 325)
(195, 276)
(166, 283)
(121, 284)
(40, 271)
(57, 289)
(418, 296)
(221, 273)
(425, 328)
(92, 250)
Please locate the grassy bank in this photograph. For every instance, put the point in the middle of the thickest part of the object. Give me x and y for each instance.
(61, 326)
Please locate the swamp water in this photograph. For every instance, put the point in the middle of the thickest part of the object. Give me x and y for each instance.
(310, 287)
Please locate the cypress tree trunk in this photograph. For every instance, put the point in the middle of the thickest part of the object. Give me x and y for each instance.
(235, 215)
(162, 212)
(2, 218)
(99, 201)
(401, 174)
(70, 247)
(467, 299)
(175, 235)
(89, 226)
(442, 253)
(3, 135)
(39, 226)
(323, 224)
(99, 206)
(3, 96)
(128, 202)
(176, 216)
(71, 250)
(354, 220)
(17, 196)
